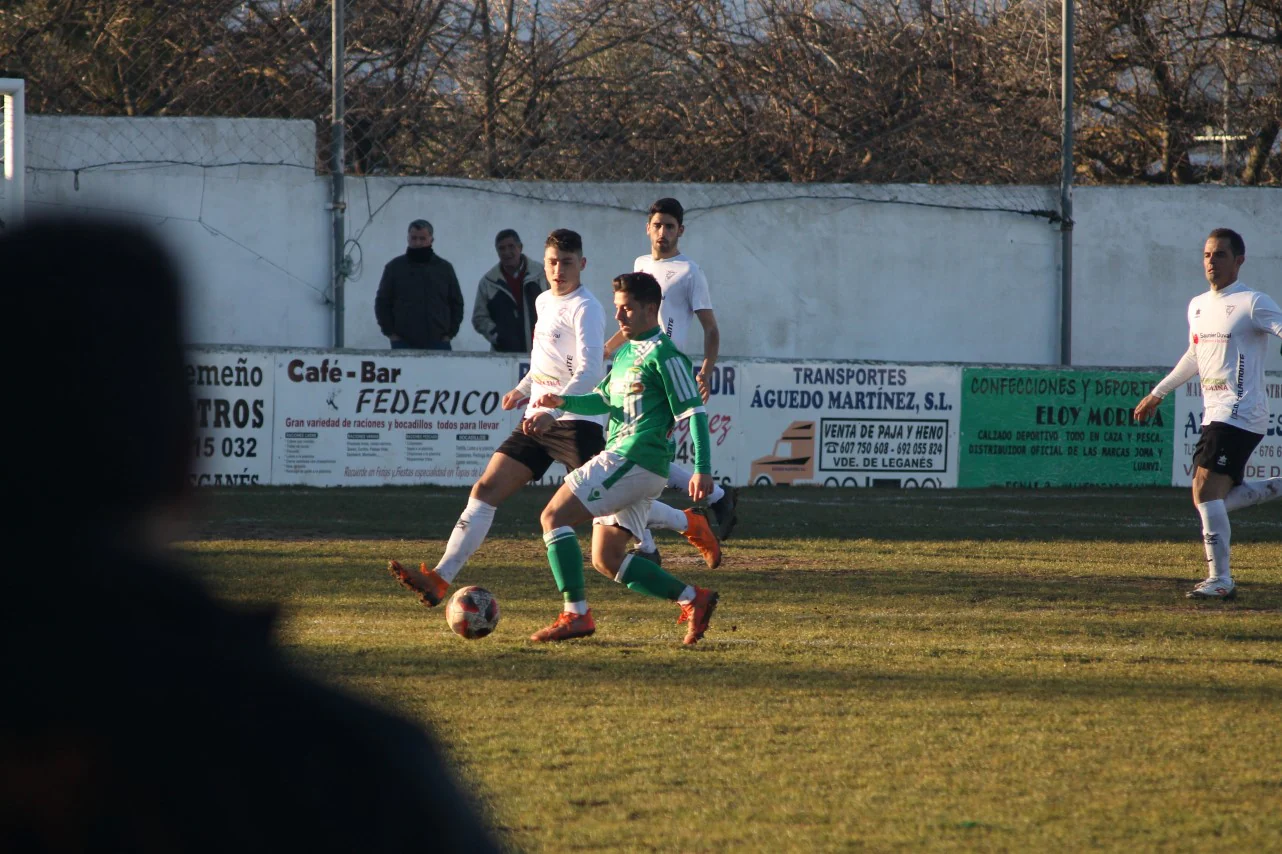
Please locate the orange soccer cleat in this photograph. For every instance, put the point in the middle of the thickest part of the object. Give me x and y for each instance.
(566, 626)
(429, 586)
(702, 537)
(698, 614)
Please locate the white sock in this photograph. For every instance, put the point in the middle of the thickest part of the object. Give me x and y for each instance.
(669, 518)
(679, 478)
(469, 532)
(687, 596)
(1215, 534)
(646, 543)
(1255, 492)
(579, 608)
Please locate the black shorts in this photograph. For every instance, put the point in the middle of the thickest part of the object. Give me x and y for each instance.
(571, 443)
(1225, 449)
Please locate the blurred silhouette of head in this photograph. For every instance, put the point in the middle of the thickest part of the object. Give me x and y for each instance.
(103, 392)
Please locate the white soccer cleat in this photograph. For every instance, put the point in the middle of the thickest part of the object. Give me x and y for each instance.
(1213, 588)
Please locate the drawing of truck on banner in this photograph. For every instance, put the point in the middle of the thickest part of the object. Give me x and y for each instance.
(793, 458)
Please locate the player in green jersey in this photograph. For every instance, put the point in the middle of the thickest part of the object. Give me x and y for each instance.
(650, 388)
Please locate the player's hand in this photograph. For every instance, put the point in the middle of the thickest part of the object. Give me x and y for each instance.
(537, 424)
(550, 401)
(700, 486)
(704, 391)
(513, 399)
(1146, 407)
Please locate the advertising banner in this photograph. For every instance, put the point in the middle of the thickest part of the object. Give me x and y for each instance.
(1025, 427)
(346, 419)
(1267, 459)
(231, 394)
(848, 424)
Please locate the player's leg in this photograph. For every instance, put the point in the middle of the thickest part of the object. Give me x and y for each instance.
(1209, 490)
(517, 461)
(664, 517)
(692, 524)
(565, 558)
(610, 537)
(504, 475)
(721, 501)
(1248, 494)
(1220, 458)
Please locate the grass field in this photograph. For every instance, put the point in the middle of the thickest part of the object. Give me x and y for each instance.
(888, 670)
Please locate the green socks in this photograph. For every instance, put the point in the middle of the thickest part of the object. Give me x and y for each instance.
(566, 559)
(645, 577)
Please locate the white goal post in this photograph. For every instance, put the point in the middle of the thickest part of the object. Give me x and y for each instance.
(14, 196)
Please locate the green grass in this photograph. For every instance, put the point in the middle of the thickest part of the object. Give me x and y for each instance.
(917, 670)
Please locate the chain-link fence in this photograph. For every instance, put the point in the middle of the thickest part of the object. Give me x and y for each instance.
(734, 91)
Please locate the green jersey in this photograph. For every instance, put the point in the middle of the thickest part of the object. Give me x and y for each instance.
(650, 388)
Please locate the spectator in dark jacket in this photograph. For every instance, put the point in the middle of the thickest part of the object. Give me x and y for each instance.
(419, 303)
(143, 714)
(504, 310)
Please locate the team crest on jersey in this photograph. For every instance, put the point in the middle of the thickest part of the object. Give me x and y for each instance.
(637, 387)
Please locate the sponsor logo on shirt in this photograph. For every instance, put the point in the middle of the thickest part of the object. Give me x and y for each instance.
(1197, 313)
(1228, 309)
(1215, 384)
(1208, 337)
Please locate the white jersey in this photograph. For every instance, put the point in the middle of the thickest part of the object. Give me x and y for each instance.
(685, 291)
(1228, 343)
(568, 356)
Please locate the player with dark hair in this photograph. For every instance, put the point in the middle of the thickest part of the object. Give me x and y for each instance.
(1229, 327)
(650, 387)
(568, 358)
(685, 299)
(142, 713)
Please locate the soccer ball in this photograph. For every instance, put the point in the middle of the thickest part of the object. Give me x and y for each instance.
(472, 612)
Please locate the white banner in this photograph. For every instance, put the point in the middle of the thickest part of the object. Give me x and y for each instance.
(401, 417)
(231, 391)
(848, 424)
(1267, 459)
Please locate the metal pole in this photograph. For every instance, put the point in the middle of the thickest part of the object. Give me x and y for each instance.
(338, 206)
(1066, 192)
(15, 147)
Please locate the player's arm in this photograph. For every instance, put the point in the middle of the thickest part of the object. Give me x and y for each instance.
(686, 403)
(1266, 314)
(1184, 370)
(595, 403)
(711, 348)
(701, 304)
(616, 341)
(579, 404)
(521, 393)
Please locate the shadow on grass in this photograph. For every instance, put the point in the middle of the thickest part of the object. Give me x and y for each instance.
(716, 670)
(1123, 515)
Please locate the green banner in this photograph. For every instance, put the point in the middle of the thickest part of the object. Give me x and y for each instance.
(1032, 427)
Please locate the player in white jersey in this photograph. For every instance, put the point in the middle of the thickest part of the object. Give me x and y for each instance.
(1229, 327)
(685, 298)
(568, 358)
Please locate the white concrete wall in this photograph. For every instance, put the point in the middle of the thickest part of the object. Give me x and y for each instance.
(797, 271)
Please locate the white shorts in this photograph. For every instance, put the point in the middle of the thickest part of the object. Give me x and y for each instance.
(616, 491)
